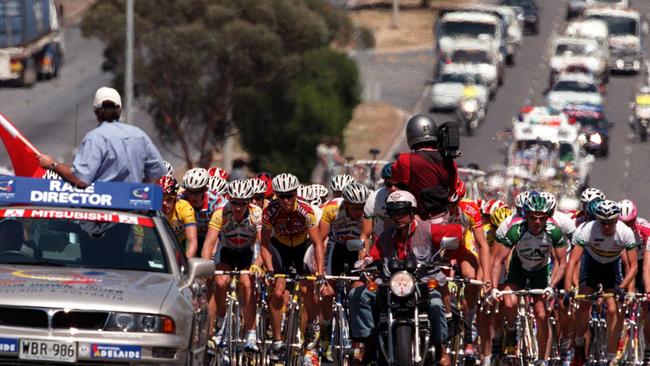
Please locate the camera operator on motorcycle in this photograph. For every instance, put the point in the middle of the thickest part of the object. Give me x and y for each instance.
(405, 237)
(641, 109)
(430, 168)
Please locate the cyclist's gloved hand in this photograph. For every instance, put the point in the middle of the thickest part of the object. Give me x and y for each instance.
(548, 291)
(620, 293)
(363, 263)
(256, 270)
(494, 294)
(629, 297)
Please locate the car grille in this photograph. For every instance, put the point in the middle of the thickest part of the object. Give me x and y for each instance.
(18, 317)
(38, 318)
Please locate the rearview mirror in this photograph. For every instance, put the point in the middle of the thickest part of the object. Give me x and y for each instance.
(449, 243)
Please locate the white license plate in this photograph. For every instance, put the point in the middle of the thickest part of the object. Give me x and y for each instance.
(35, 349)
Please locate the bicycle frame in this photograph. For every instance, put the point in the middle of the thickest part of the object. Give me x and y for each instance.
(231, 322)
(630, 346)
(597, 327)
(340, 337)
(457, 347)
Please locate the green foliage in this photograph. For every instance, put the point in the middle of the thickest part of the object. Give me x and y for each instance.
(281, 129)
(204, 66)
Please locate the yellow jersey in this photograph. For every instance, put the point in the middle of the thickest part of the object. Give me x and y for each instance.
(181, 216)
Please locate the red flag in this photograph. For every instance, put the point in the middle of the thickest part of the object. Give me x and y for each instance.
(23, 155)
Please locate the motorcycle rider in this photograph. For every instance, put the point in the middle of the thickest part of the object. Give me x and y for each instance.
(641, 109)
(405, 236)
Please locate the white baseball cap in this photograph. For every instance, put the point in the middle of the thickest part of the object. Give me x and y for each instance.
(104, 94)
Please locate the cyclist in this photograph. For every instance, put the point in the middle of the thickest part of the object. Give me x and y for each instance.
(267, 178)
(338, 182)
(235, 230)
(599, 246)
(341, 224)
(374, 212)
(259, 191)
(405, 236)
(289, 226)
(217, 192)
(533, 239)
(563, 220)
(195, 182)
(215, 171)
(321, 192)
(169, 169)
(179, 215)
(588, 195)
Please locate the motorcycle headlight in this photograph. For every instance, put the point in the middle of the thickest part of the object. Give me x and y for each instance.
(595, 139)
(582, 139)
(144, 323)
(402, 284)
(643, 112)
(469, 106)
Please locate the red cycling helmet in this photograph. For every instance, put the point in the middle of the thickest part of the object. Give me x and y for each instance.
(459, 193)
(219, 172)
(168, 184)
(267, 178)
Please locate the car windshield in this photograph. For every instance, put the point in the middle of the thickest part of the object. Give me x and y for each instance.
(470, 56)
(575, 86)
(459, 78)
(472, 29)
(525, 4)
(594, 123)
(80, 243)
(619, 26)
(575, 49)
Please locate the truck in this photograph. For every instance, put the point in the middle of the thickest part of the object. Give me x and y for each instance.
(31, 41)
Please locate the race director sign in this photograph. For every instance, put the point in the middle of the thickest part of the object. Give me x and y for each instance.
(112, 195)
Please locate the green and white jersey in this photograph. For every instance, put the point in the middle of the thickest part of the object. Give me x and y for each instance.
(605, 249)
(534, 251)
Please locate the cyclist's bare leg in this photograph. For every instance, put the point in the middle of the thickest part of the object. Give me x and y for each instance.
(469, 267)
(509, 307)
(277, 302)
(309, 300)
(221, 285)
(325, 306)
(541, 317)
(614, 331)
(212, 305)
(248, 300)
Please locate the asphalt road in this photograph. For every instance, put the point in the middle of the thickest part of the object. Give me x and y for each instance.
(55, 115)
(399, 79)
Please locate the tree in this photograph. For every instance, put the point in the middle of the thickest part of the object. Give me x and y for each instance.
(281, 129)
(196, 60)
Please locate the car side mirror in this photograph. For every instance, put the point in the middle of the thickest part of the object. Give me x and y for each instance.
(198, 268)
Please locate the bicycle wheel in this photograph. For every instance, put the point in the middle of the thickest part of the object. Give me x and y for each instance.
(340, 341)
(262, 343)
(292, 336)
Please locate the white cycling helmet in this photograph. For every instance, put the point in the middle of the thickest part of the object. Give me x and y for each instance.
(218, 185)
(168, 168)
(356, 193)
(338, 182)
(285, 182)
(521, 199)
(400, 200)
(550, 198)
(240, 189)
(321, 190)
(259, 186)
(49, 174)
(306, 193)
(591, 194)
(196, 178)
(607, 210)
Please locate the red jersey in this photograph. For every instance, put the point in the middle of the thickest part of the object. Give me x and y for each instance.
(289, 228)
(421, 170)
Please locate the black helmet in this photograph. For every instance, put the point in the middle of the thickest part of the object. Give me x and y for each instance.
(421, 128)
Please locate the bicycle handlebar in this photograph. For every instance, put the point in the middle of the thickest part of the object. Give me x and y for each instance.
(343, 278)
(467, 281)
(232, 273)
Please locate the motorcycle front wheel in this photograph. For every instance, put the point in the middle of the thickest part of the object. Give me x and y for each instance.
(403, 345)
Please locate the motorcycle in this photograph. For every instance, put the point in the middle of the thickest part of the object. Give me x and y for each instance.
(470, 113)
(403, 300)
(641, 120)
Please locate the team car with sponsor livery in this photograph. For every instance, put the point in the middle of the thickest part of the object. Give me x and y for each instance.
(574, 88)
(545, 152)
(95, 276)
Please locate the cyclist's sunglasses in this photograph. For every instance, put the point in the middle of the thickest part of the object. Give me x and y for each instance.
(286, 195)
(258, 197)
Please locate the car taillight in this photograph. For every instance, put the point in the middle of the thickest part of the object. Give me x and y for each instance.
(16, 65)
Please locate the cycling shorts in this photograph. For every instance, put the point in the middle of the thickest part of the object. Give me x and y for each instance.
(285, 257)
(337, 256)
(240, 259)
(592, 273)
(536, 279)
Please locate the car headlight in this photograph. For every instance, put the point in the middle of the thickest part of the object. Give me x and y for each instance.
(469, 106)
(582, 139)
(143, 323)
(596, 139)
(402, 284)
(620, 63)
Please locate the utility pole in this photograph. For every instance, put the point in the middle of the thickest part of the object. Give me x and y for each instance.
(394, 20)
(128, 75)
